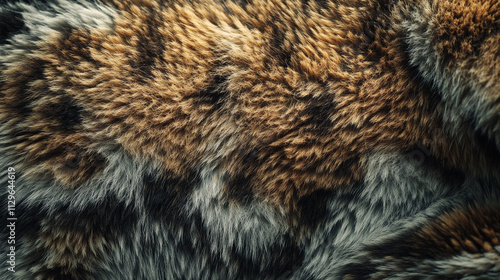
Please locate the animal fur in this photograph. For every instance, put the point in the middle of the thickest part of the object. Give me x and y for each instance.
(251, 139)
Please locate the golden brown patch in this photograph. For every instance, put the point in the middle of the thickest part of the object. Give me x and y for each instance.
(69, 243)
(293, 96)
(463, 25)
(45, 123)
(474, 230)
(465, 35)
(69, 254)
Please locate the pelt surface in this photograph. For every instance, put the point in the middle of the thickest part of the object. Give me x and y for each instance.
(250, 139)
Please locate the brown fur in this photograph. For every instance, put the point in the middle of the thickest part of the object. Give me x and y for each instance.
(287, 99)
(353, 88)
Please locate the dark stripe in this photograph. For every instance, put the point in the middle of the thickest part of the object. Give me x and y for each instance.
(313, 208)
(65, 112)
(165, 196)
(11, 23)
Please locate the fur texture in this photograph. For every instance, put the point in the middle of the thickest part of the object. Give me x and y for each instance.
(259, 139)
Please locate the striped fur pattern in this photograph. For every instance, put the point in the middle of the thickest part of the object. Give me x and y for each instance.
(251, 139)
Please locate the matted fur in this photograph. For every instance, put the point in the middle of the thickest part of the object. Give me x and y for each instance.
(259, 139)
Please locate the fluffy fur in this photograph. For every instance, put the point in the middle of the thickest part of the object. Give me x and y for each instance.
(260, 139)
